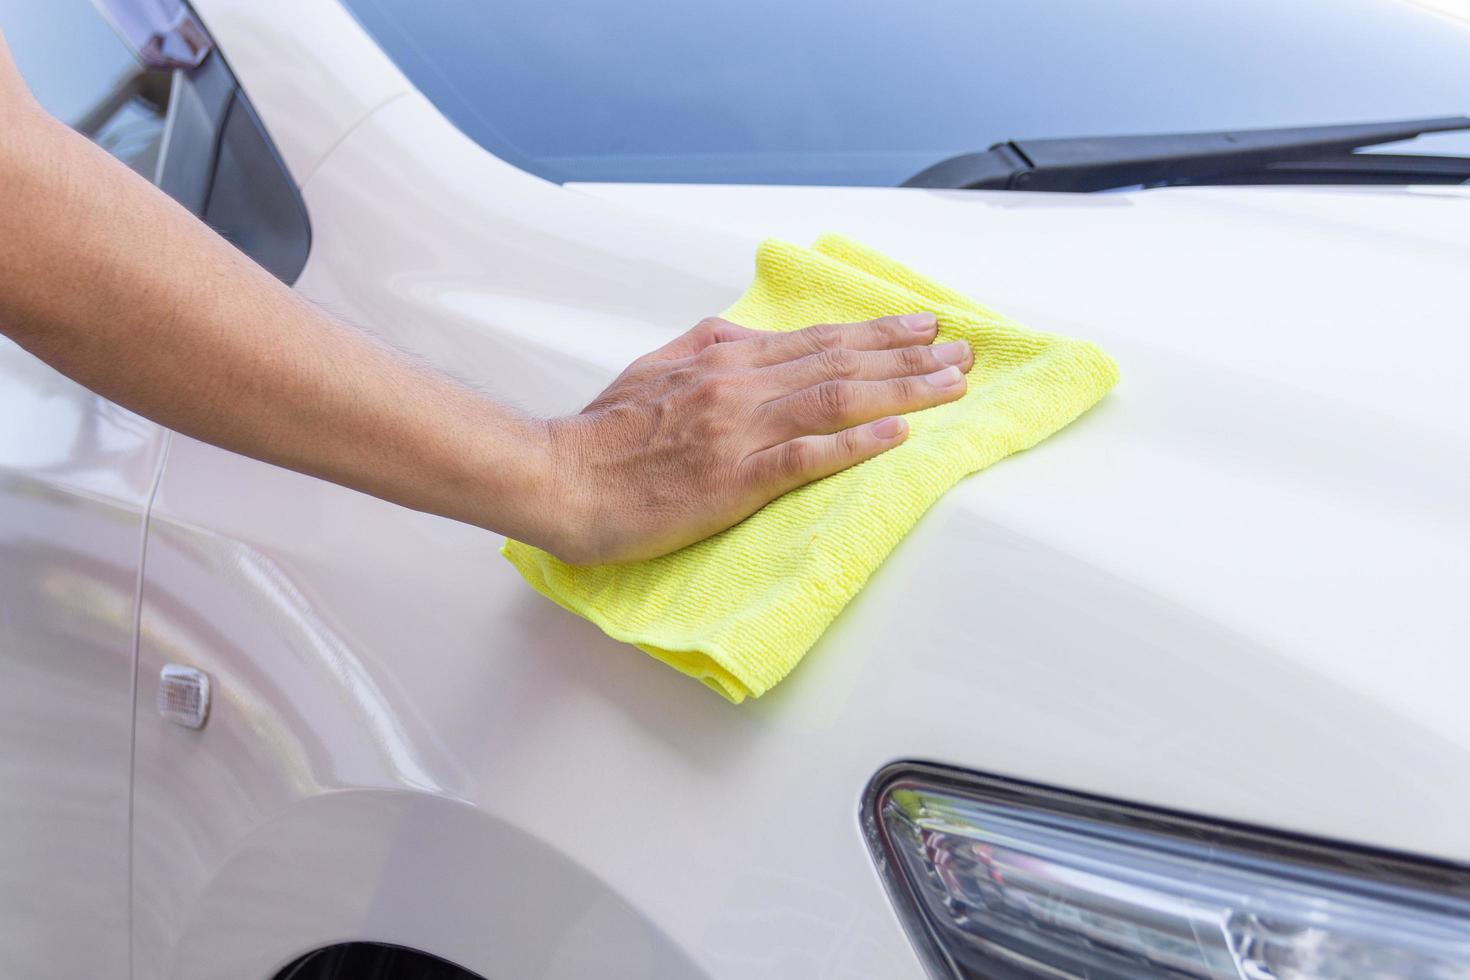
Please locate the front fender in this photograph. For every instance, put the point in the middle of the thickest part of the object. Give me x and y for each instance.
(428, 872)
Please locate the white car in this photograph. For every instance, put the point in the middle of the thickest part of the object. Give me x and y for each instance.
(1181, 692)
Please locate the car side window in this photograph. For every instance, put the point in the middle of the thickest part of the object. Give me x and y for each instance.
(83, 73)
(218, 162)
(222, 166)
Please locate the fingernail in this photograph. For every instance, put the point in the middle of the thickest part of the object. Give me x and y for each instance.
(889, 428)
(953, 352)
(947, 378)
(918, 322)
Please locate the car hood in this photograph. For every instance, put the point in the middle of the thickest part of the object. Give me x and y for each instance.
(1257, 547)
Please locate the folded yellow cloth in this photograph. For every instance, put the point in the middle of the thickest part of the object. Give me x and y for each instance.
(740, 609)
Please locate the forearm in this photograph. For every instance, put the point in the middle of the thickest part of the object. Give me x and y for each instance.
(98, 268)
(116, 286)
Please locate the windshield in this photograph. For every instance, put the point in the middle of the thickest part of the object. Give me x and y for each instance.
(866, 92)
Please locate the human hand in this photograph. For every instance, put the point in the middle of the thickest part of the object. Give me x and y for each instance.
(703, 432)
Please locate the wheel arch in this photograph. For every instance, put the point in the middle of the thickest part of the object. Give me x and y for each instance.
(424, 872)
(347, 961)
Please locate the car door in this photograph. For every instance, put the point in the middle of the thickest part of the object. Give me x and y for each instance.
(75, 476)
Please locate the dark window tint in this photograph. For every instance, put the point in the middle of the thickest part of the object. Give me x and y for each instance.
(872, 91)
(222, 166)
(81, 71)
(253, 201)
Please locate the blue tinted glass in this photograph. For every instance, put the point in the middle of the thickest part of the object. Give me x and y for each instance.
(868, 92)
(82, 73)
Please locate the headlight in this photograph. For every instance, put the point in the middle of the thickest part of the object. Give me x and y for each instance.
(1002, 880)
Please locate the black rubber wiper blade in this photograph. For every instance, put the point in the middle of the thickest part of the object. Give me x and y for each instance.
(1104, 162)
(1353, 168)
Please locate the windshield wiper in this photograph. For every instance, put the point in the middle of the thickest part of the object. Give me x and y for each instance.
(1320, 154)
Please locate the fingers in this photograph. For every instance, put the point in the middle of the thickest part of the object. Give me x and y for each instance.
(843, 364)
(834, 405)
(761, 347)
(799, 461)
(884, 333)
(706, 333)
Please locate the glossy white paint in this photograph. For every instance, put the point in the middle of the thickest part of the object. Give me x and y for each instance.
(75, 474)
(1234, 588)
(1231, 589)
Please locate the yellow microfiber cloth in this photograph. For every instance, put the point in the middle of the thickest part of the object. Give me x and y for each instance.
(740, 609)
